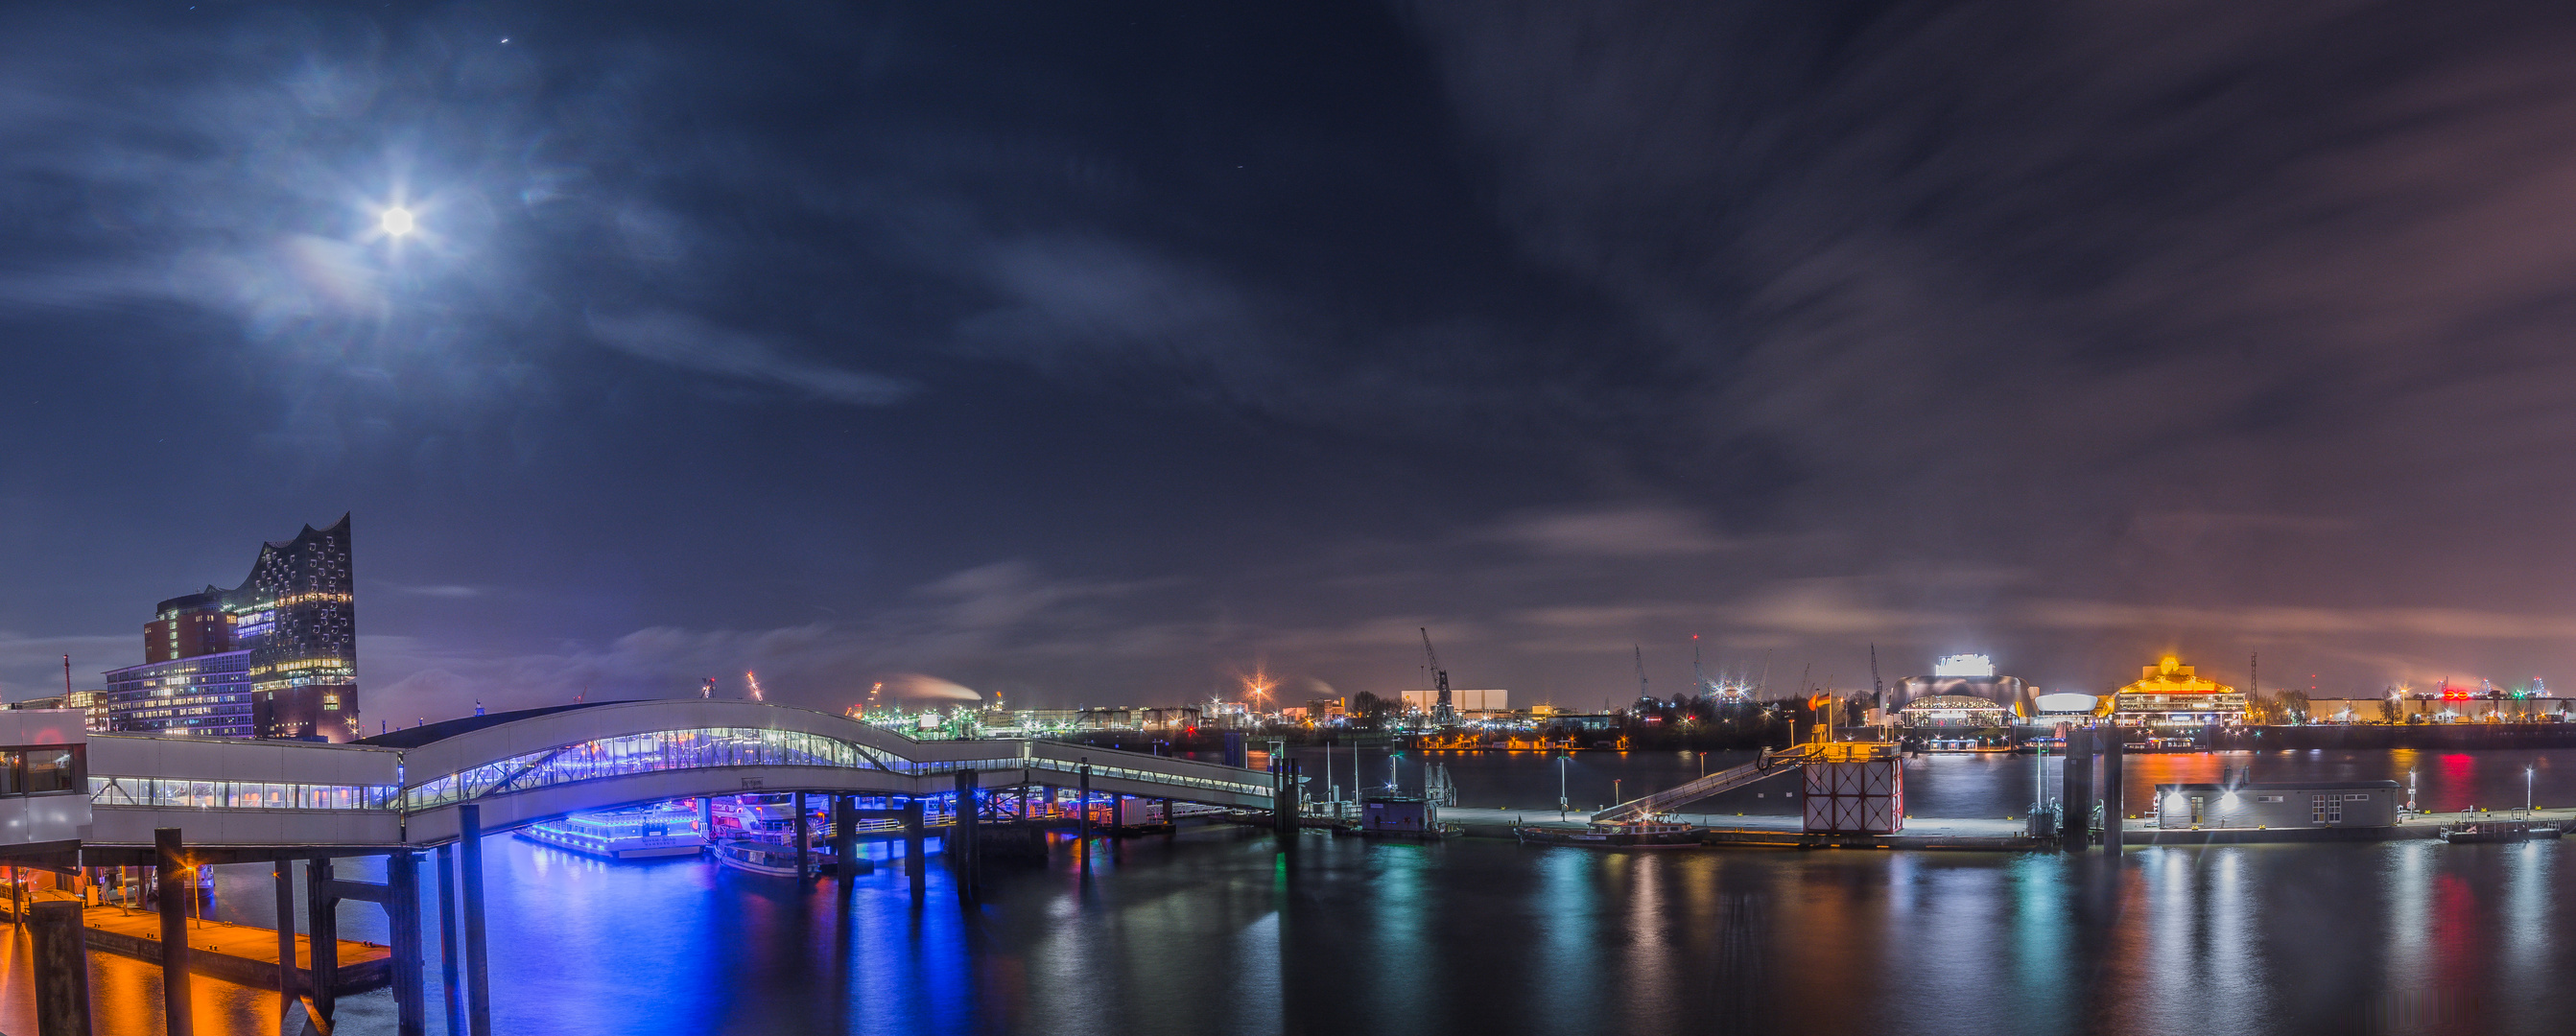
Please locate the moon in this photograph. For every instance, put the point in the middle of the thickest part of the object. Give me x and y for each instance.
(396, 221)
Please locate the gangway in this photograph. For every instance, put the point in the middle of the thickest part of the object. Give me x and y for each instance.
(1770, 764)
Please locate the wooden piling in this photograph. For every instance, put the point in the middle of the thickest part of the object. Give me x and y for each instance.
(178, 886)
(62, 969)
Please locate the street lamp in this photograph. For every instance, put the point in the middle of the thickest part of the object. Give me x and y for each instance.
(1562, 806)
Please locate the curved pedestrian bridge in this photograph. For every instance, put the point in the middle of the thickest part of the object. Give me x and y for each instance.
(402, 789)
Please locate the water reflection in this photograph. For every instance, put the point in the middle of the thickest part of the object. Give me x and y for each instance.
(1218, 930)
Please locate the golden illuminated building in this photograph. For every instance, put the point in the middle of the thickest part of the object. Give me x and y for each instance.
(2169, 694)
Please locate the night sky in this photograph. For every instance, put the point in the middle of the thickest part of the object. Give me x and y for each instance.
(1096, 354)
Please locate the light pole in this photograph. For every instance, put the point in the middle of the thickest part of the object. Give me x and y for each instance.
(1562, 806)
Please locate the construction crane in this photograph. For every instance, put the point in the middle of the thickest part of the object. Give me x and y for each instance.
(1442, 712)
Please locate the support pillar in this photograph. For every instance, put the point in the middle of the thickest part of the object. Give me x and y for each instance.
(178, 1007)
(61, 950)
(1171, 824)
(2077, 824)
(962, 840)
(845, 838)
(450, 998)
(913, 848)
(804, 840)
(402, 912)
(287, 986)
(1082, 846)
(2113, 749)
(322, 913)
(707, 818)
(478, 978)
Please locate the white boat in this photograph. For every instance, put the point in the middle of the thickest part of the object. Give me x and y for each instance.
(775, 859)
(622, 834)
(757, 815)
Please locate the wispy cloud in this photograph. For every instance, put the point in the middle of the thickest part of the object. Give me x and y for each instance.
(688, 343)
(1615, 532)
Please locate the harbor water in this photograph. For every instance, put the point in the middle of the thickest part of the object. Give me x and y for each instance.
(1218, 930)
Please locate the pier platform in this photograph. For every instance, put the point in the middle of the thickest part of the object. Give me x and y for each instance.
(241, 954)
(1976, 833)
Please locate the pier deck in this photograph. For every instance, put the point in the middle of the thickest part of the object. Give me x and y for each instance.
(1976, 833)
(242, 954)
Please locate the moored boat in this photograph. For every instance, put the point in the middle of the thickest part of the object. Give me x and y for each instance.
(1642, 834)
(774, 859)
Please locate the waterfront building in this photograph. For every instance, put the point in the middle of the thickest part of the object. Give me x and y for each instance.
(2168, 696)
(1944, 721)
(1963, 676)
(205, 695)
(275, 657)
(2323, 804)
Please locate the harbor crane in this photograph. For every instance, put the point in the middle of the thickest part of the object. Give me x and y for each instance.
(1442, 712)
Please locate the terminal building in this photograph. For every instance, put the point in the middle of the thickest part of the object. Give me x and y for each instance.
(275, 657)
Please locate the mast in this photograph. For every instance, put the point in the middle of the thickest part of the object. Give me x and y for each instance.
(1641, 672)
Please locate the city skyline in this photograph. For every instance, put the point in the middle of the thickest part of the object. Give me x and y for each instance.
(1098, 360)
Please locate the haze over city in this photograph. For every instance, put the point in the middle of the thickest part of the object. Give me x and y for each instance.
(1102, 355)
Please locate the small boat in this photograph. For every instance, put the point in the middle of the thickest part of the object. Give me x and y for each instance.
(1643, 834)
(775, 859)
(2499, 831)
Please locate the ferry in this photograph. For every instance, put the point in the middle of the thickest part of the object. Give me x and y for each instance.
(632, 834)
(775, 859)
(1642, 834)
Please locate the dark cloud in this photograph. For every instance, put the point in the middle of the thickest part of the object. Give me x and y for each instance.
(1098, 353)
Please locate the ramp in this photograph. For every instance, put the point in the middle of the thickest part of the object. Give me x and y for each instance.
(1680, 795)
(1771, 764)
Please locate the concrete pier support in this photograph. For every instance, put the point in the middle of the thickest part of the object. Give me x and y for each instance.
(963, 843)
(2077, 824)
(61, 950)
(286, 984)
(914, 847)
(804, 842)
(178, 886)
(845, 838)
(2113, 747)
(1082, 845)
(1283, 798)
(450, 998)
(402, 914)
(322, 913)
(478, 978)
